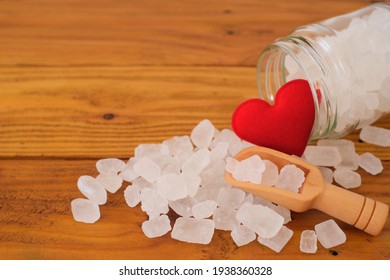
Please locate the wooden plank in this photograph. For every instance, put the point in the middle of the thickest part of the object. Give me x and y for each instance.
(105, 111)
(98, 112)
(36, 222)
(151, 32)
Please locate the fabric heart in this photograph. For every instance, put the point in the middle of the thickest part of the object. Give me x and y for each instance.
(284, 126)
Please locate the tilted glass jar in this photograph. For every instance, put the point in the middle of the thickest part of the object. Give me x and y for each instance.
(346, 60)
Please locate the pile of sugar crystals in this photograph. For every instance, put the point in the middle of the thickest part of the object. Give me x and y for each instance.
(185, 174)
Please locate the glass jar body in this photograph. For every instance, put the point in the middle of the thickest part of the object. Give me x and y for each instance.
(346, 60)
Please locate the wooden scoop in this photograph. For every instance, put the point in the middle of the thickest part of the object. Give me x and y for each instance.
(362, 212)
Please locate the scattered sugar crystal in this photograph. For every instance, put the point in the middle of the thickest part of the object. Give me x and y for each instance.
(242, 235)
(277, 242)
(153, 203)
(322, 155)
(148, 150)
(227, 135)
(202, 134)
(231, 164)
(141, 183)
(171, 186)
(308, 242)
(213, 175)
(219, 151)
(261, 219)
(262, 201)
(327, 174)
(128, 174)
(349, 157)
(249, 170)
(197, 161)
(93, 189)
(179, 145)
(347, 178)
(370, 163)
(204, 209)
(375, 135)
(230, 198)
(183, 207)
(156, 227)
(193, 230)
(248, 198)
(290, 178)
(110, 165)
(111, 181)
(270, 175)
(282, 211)
(147, 169)
(329, 234)
(192, 181)
(132, 195)
(225, 219)
(85, 210)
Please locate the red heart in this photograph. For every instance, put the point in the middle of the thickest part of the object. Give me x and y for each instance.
(285, 126)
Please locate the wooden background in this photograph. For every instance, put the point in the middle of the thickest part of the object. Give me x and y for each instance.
(84, 80)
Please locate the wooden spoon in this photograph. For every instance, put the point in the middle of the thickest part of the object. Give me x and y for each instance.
(362, 212)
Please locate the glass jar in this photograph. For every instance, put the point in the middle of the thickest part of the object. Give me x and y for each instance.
(346, 60)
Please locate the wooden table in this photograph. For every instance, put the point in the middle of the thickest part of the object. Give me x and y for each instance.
(84, 80)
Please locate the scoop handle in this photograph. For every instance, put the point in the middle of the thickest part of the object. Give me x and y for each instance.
(362, 212)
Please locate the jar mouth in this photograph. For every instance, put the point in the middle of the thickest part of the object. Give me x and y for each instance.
(273, 71)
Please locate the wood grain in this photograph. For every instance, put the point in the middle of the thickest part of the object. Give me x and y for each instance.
(151, 32)
(84, 80)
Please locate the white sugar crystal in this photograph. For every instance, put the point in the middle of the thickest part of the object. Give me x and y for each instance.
(219, 151)
(349, 157)
(171, 186)
(183, 207)
(260, 219)
(93, 189)
(192, 181)
(282, 211)
(111, 181)
(249, 170)
(179, 145)
(153, 203)
(327, 174)
(204, 209)
(347, 178)
(225, 219)
(147, 169)
(202, 134)
(128, 174)
(277, 242)
(227, 135)
(156, 227)
(149, 150)
(248, 198)
(85, 210)
(329, 234)
(370, 163)
(375, 135)
(193, 230)
(213, 175)
(231, 164)
(322, 155)
(230, 198)
(110, 165)
(290, 178)
(132, 195)
(262, 201)
(270, 175)
(197, 161)
(308, 242)
(141, 183)
(242, 235)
